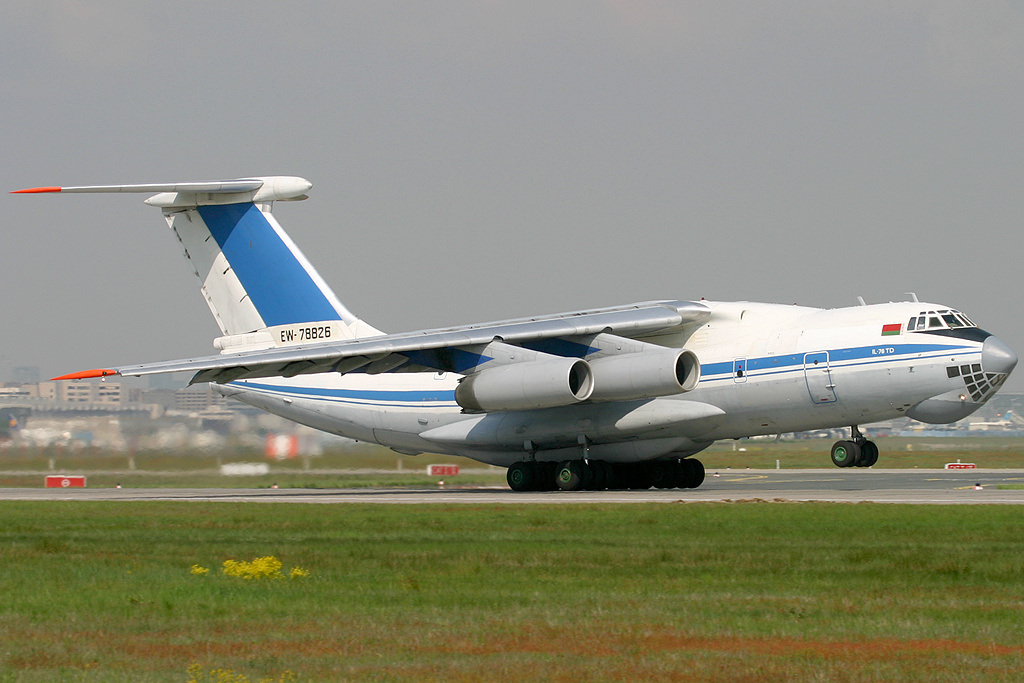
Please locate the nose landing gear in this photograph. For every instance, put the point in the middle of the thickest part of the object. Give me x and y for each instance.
(858, 452)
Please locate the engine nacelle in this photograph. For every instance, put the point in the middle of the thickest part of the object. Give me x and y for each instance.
(644, 375)
(522, 386)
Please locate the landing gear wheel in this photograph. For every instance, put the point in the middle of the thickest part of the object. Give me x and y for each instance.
(693, 473)
(587, 470)
(522, 476)
(634, 476)
(570, 475)
(642, 478)
(548, 474)
(602, 474)
(868, 454)
(618, 478)
(664, 475)
(845, 453)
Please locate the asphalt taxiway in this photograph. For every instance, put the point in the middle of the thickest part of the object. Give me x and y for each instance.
(940, 487)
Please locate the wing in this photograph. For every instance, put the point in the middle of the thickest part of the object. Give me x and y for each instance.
(456, 349)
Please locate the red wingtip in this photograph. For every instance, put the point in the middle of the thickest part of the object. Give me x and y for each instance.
(85, 374)
(36, 190)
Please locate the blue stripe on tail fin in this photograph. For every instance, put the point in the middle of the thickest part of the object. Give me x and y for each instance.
(277, 283)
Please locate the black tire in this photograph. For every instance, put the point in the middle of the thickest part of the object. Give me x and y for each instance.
(664, 474)
(547, 472)
(868, 454)
(570, 475)
(642, 477)
(587, 472)
(602, 474)
(618, 479)
(693, 473)
(845, 453)
(522, 476)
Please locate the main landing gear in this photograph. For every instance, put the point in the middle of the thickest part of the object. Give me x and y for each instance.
(597, 475)
(858, 452)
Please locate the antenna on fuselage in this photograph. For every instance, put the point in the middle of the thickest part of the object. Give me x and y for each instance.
(913, 297)
(860, 300)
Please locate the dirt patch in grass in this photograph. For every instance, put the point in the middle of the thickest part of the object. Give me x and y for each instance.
(554, 641)
(533, 652)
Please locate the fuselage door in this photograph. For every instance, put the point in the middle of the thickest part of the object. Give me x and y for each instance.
(819, 377)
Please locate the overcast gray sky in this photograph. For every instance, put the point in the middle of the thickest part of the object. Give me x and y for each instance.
(483, 160)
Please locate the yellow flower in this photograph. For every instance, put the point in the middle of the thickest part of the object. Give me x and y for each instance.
(268, 567)
(198, 571)
(298, 573)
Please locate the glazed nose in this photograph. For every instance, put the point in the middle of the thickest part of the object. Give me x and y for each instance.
(997, 357)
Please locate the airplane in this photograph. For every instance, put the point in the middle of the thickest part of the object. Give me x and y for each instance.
(11, 420)
(1005, 420)
(618, 397)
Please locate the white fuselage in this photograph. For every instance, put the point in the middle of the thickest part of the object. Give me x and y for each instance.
(765, 369)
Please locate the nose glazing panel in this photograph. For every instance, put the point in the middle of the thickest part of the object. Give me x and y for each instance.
(984, 379)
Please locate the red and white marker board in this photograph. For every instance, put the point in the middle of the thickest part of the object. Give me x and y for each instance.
(65, 482)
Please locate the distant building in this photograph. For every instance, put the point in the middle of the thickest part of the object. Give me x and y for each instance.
(43, 390)
(107, 393)
(116, 396)
(198, 398)
(74, 392)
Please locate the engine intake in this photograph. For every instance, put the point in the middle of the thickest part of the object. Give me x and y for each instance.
(644, 375)
(522, 386)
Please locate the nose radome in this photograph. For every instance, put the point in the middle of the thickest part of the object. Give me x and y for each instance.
(997, 357)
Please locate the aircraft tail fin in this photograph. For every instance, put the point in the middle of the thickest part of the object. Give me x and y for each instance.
(260, 287)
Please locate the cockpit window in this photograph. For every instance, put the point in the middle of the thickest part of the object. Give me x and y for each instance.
(939, 320)
(952, 320)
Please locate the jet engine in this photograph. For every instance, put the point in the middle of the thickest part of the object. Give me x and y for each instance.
(644, 375)
(521, 386)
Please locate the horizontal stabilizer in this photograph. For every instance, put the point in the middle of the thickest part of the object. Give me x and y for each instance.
(260, 189)
(218, 186)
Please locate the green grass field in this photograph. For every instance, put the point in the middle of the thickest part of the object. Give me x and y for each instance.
(666, 592)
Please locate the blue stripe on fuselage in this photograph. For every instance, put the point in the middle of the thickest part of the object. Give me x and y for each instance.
(766, 365)
(278, 285)
(878, 353)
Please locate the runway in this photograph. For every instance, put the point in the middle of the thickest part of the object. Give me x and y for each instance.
(937, 487)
